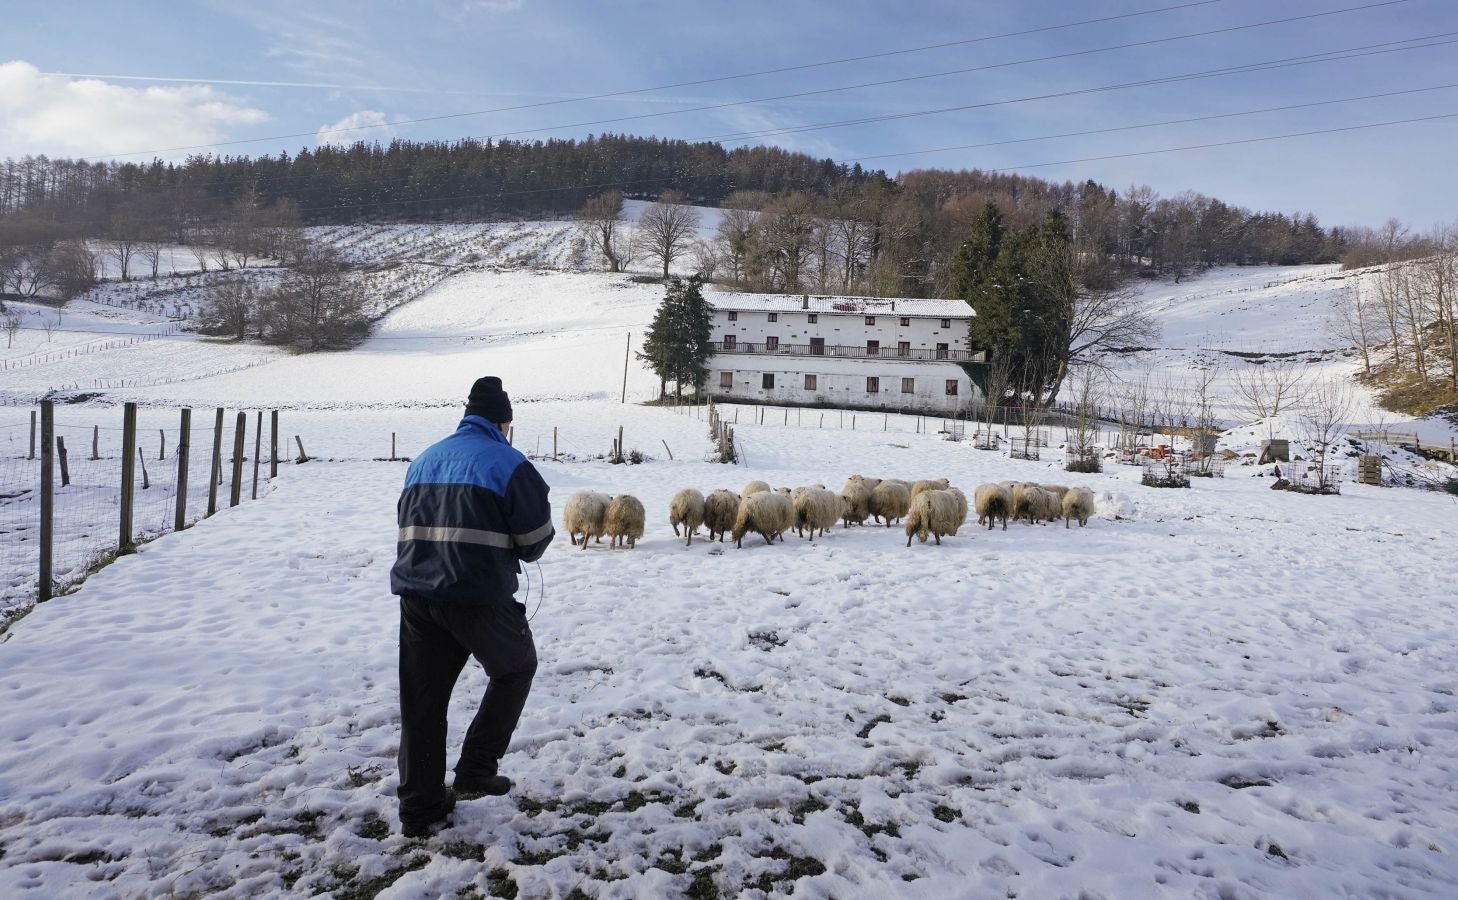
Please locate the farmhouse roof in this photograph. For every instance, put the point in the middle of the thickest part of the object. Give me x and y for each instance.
(868, 306)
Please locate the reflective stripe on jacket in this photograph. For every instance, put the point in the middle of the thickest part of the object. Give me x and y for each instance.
(472, 509)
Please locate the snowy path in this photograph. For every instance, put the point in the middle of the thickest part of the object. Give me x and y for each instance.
(1229, 693)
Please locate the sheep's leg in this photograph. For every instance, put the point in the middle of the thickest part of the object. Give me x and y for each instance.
(675, 528)
(690, 541)
(938, 536)
(908, 539)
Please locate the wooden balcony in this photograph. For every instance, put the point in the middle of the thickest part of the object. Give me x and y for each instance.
(844, 352)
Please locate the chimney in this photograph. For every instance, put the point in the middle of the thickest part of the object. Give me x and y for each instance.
(805, 302)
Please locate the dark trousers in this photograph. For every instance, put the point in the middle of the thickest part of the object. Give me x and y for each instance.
(435, 641)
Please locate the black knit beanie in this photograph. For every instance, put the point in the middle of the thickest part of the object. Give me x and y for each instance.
(489, 401)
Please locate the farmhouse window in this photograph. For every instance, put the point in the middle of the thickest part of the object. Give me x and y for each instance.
(768, 381)
(809, 382)
(908, 385)
(817, 346)
(813, 318)
(906, 321)
(726, 380)
(873, 348)
(951, 387)
(942, 351)
(774, 317)
(903, 348)
(733, 316)
(772, 343)
(873, 385)
(946, 323)
(870, 320)
(730, 341)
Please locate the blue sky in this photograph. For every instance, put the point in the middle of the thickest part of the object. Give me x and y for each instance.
(383, 62)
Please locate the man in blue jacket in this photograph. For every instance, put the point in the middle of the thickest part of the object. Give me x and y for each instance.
(472, 510)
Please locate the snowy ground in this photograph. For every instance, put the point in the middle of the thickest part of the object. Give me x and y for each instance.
(1225, 692)
(1216, 692)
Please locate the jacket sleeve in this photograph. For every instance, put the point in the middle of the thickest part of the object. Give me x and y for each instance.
(528, 513)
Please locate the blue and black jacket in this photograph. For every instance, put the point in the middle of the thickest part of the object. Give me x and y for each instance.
(473, 508)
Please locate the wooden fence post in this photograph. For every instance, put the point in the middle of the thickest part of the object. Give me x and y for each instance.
(96, 442)
(47, 496)
(146, 482)
(162, 446)
(215, 474)
(554, 442)
(61, 458)
(128, 475)
(32, 432)
(272, 444)
(184, 445)
(257, 451)
(240, 434)
(303, 457)
(392, 446)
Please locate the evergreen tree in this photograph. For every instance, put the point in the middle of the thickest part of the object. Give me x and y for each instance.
(677, 345)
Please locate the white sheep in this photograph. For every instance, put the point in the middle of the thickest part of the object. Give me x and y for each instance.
(890, 501)
(939, 484)
(1078, 504)
(932, 513)
(1056, 490)
(767, 513)
(1028, 502)
(815, 507)
(721, 508)
(856, 500)
(754, 487)
(961, 501)
(585, 514)
(686, 509)
(1040, 505)
(625, 520)
(993, 502)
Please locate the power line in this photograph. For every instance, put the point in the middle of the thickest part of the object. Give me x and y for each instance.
(834, 89)
(697, 82)
(926, 76)
(1209, 118)
(1247, 68)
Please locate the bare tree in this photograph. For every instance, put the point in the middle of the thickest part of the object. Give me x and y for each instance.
(736, 238)
(124, 236)
(1205, 426)
(1324, 415)
(232, 306)
(1083, 322)
(601, 222)
(1351, 320)
(1083, 434)
(787, 229)
(317, 307)
(1267, 388)
(11, 324)
(706, 259)
(1134, 406)
(996, 381)
(666, 229)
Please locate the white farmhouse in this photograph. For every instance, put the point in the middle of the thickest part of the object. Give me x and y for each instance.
(854, 352)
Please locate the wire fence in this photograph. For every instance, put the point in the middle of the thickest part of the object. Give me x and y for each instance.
(112, 487)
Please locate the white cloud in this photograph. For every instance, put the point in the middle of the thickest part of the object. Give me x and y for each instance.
(61, 116)
(344, 133)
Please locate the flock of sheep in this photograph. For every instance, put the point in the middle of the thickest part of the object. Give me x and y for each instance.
(933, 509)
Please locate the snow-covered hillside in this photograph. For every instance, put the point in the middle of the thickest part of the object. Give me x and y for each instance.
(1216, 692)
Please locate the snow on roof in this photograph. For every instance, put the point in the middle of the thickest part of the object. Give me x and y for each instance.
(936, 309)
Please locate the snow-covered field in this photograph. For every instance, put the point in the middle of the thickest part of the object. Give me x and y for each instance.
(1216, 692)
